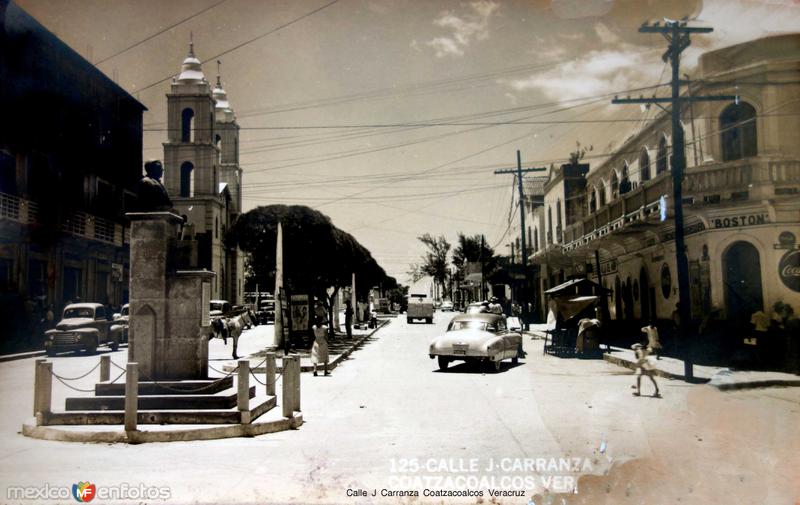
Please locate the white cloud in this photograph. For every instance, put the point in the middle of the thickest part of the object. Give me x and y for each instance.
(463, 28)
(598, 72)
(605, 35)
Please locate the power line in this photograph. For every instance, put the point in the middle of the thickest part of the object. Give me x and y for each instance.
(239, 46)
(150, 37)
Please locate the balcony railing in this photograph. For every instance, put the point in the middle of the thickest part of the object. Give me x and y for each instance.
(81, 224)
(724, 181)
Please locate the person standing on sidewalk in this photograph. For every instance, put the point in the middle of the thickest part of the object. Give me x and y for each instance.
(319, 351)
(644, 366)
(653, 343)
(348, 319)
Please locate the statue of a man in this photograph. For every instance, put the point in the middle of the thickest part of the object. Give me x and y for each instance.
(151, 195)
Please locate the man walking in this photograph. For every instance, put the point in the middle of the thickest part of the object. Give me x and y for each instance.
(643, 367)
(348, 319)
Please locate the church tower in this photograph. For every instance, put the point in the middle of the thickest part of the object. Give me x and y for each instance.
(192, 172)
(226, 140)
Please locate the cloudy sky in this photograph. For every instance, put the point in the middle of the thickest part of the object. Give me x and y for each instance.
(391, 116)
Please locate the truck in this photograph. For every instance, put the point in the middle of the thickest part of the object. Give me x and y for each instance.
(420, 306)
(83, 326)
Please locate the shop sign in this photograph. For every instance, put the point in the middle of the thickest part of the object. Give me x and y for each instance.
(789, 270)
(742, 220)
(116, 272)
(687, 230)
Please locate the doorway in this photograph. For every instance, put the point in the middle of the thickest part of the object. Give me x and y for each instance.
(741, 269)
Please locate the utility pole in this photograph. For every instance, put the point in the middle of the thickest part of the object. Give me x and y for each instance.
(523, 298)
(677, 35)
(483, 283)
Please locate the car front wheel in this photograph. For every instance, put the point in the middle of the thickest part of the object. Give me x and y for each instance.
(497, 365)
(114, 345)
(92, 347)
(443, 362)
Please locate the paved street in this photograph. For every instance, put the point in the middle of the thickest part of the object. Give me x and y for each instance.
(388, 419)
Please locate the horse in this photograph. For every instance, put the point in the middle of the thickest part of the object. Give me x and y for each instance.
(228, 327)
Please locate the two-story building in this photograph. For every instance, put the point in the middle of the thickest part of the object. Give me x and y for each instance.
(70, 156)
(741, 198)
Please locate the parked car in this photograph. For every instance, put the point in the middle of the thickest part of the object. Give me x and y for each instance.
(447, 306)
(83, 326)
(219, 308)
(266, 310)
(478, 338)
(123, 318)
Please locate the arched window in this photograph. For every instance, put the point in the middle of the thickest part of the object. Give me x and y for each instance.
(593, 201)
(625, 183)
(614, 185)
(187, 125)
(644, 165)
(535, 239)
(187, 179)
(530, 239)
(216, 227)
(601, 195)
(218, 143)
(661, 156)
(738, 126)
(549, 225)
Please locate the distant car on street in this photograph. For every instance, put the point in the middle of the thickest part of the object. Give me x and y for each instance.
(219, 308)
(419, 307)
(477, 308)
(477, 338)
(123, 318)
(447, 306)
(266, 310)
(83, 326)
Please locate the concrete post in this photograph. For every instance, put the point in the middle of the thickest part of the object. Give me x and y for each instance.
(131, 396)
(288, 402)
(296, 383)
(243, 386)
(270, 367)
(37, 379)
(105, 368)
(43, 392)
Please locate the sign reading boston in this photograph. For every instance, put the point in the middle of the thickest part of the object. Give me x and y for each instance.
(743, 220)
(789, 270)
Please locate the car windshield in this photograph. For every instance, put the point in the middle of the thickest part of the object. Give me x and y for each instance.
(217, 305)
(470, 325)
(78, 312)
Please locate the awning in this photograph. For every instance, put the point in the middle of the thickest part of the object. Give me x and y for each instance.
(578, 287)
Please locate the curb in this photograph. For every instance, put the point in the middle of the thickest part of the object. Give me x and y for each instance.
(660, 373)
(29, 429)
(310, 368)
(766, 383)
(21, 355)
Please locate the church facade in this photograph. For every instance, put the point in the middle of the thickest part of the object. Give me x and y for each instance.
(203, 176)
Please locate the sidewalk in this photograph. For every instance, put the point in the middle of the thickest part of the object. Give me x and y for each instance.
(719, 377)
(338, 350)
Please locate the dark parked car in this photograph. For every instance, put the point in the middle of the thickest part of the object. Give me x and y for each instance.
(83, 326)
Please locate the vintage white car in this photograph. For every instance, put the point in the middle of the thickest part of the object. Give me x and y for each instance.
(479, 338)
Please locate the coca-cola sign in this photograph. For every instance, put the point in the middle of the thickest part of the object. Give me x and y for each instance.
(789, 270)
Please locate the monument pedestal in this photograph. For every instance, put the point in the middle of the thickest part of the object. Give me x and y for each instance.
(168, 334)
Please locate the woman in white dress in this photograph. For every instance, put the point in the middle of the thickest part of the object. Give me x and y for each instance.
(319, 352)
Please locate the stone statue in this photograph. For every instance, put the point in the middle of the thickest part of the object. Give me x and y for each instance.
(151, 195)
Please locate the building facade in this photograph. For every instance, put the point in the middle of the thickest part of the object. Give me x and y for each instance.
(70, 156)
(741, 199)
(203, 176)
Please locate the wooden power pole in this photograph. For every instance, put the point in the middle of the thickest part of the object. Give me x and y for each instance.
(524, 249)
(677, 35)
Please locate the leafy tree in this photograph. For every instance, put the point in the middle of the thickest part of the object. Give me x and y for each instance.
(468, 250)
(316, 254)
(434, 261)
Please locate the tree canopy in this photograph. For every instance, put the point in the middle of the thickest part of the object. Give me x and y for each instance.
(468, 250)
(316, 254)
